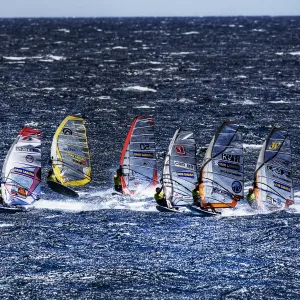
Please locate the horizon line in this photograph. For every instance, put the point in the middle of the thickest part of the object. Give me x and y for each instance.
(175, 16)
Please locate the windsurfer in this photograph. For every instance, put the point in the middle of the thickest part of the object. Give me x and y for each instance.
(1, 199)
(251, 198)
(117, 180)
(51, 176)
(196, 197)
(160, 198)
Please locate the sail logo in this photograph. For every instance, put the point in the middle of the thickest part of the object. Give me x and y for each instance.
(67, 131)
(28, 149)
(78, 159)
(145, 146)
(230, 166)
(29, 158)
(236, 187)
(282, 186)
(181, 164)
(180, 150)
(274, 146)
(23, 171)
(231, 157)
(143, 154)
(185, 174)
(216, 190)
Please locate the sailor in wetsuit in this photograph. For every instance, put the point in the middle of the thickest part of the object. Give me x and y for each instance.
(117, 180)
(251, 198)
(161, 200)
(1, 199)
(160, 197)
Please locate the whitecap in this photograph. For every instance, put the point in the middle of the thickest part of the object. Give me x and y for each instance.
(55, 57)
(295, 53)
(48, 88)
(259, 30)
(154, 62)
(104, 97)
(279, 101)
(6, 225)
(144, 106)
(184, 100)
(137, 88)
(64, 30)
(191, 32)
(15, 57)
(119, 47)
(181, 53)
(248, 102)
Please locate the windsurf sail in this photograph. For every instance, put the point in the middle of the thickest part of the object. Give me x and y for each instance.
(180, 170)
(138, 157)
(21, 173)
(70, 153)
(273, 185)
(222, 172)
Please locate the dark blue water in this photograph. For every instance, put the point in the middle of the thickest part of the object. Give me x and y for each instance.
(189, 72)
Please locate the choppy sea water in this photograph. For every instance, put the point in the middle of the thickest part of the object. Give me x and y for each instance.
(189, 72)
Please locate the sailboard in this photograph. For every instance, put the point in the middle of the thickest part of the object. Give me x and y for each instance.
(167, 209)
(138, 157)
(203, 212)
(221, 183)
(273, 185)
(70, 156)
(180, 169)
(21, 172)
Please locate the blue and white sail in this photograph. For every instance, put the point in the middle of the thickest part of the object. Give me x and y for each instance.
(273, 184)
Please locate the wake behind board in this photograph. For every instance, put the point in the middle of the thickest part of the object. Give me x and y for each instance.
(166, 209)
(198, 210)
(61, 189)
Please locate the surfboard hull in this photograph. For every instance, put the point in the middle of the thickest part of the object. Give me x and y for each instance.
(166, 209)
(11, 210)
(202, 212)
(61, 189)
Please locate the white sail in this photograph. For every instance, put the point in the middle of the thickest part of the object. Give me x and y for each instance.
(179, 172)
(273, 186)
(222, 171)
(138, 157)
(21, 173)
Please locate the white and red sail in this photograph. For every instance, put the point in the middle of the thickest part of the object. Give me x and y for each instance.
(138, 157)
(21, 173)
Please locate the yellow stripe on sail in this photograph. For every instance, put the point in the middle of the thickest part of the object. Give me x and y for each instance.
(56, 165)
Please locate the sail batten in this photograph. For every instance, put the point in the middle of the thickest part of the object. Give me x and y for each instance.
(70, 153)
(222, 172)
(138, 157)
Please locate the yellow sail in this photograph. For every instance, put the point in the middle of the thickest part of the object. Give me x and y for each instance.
(70, 153)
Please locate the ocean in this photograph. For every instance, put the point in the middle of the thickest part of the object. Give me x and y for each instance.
(188, 72)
